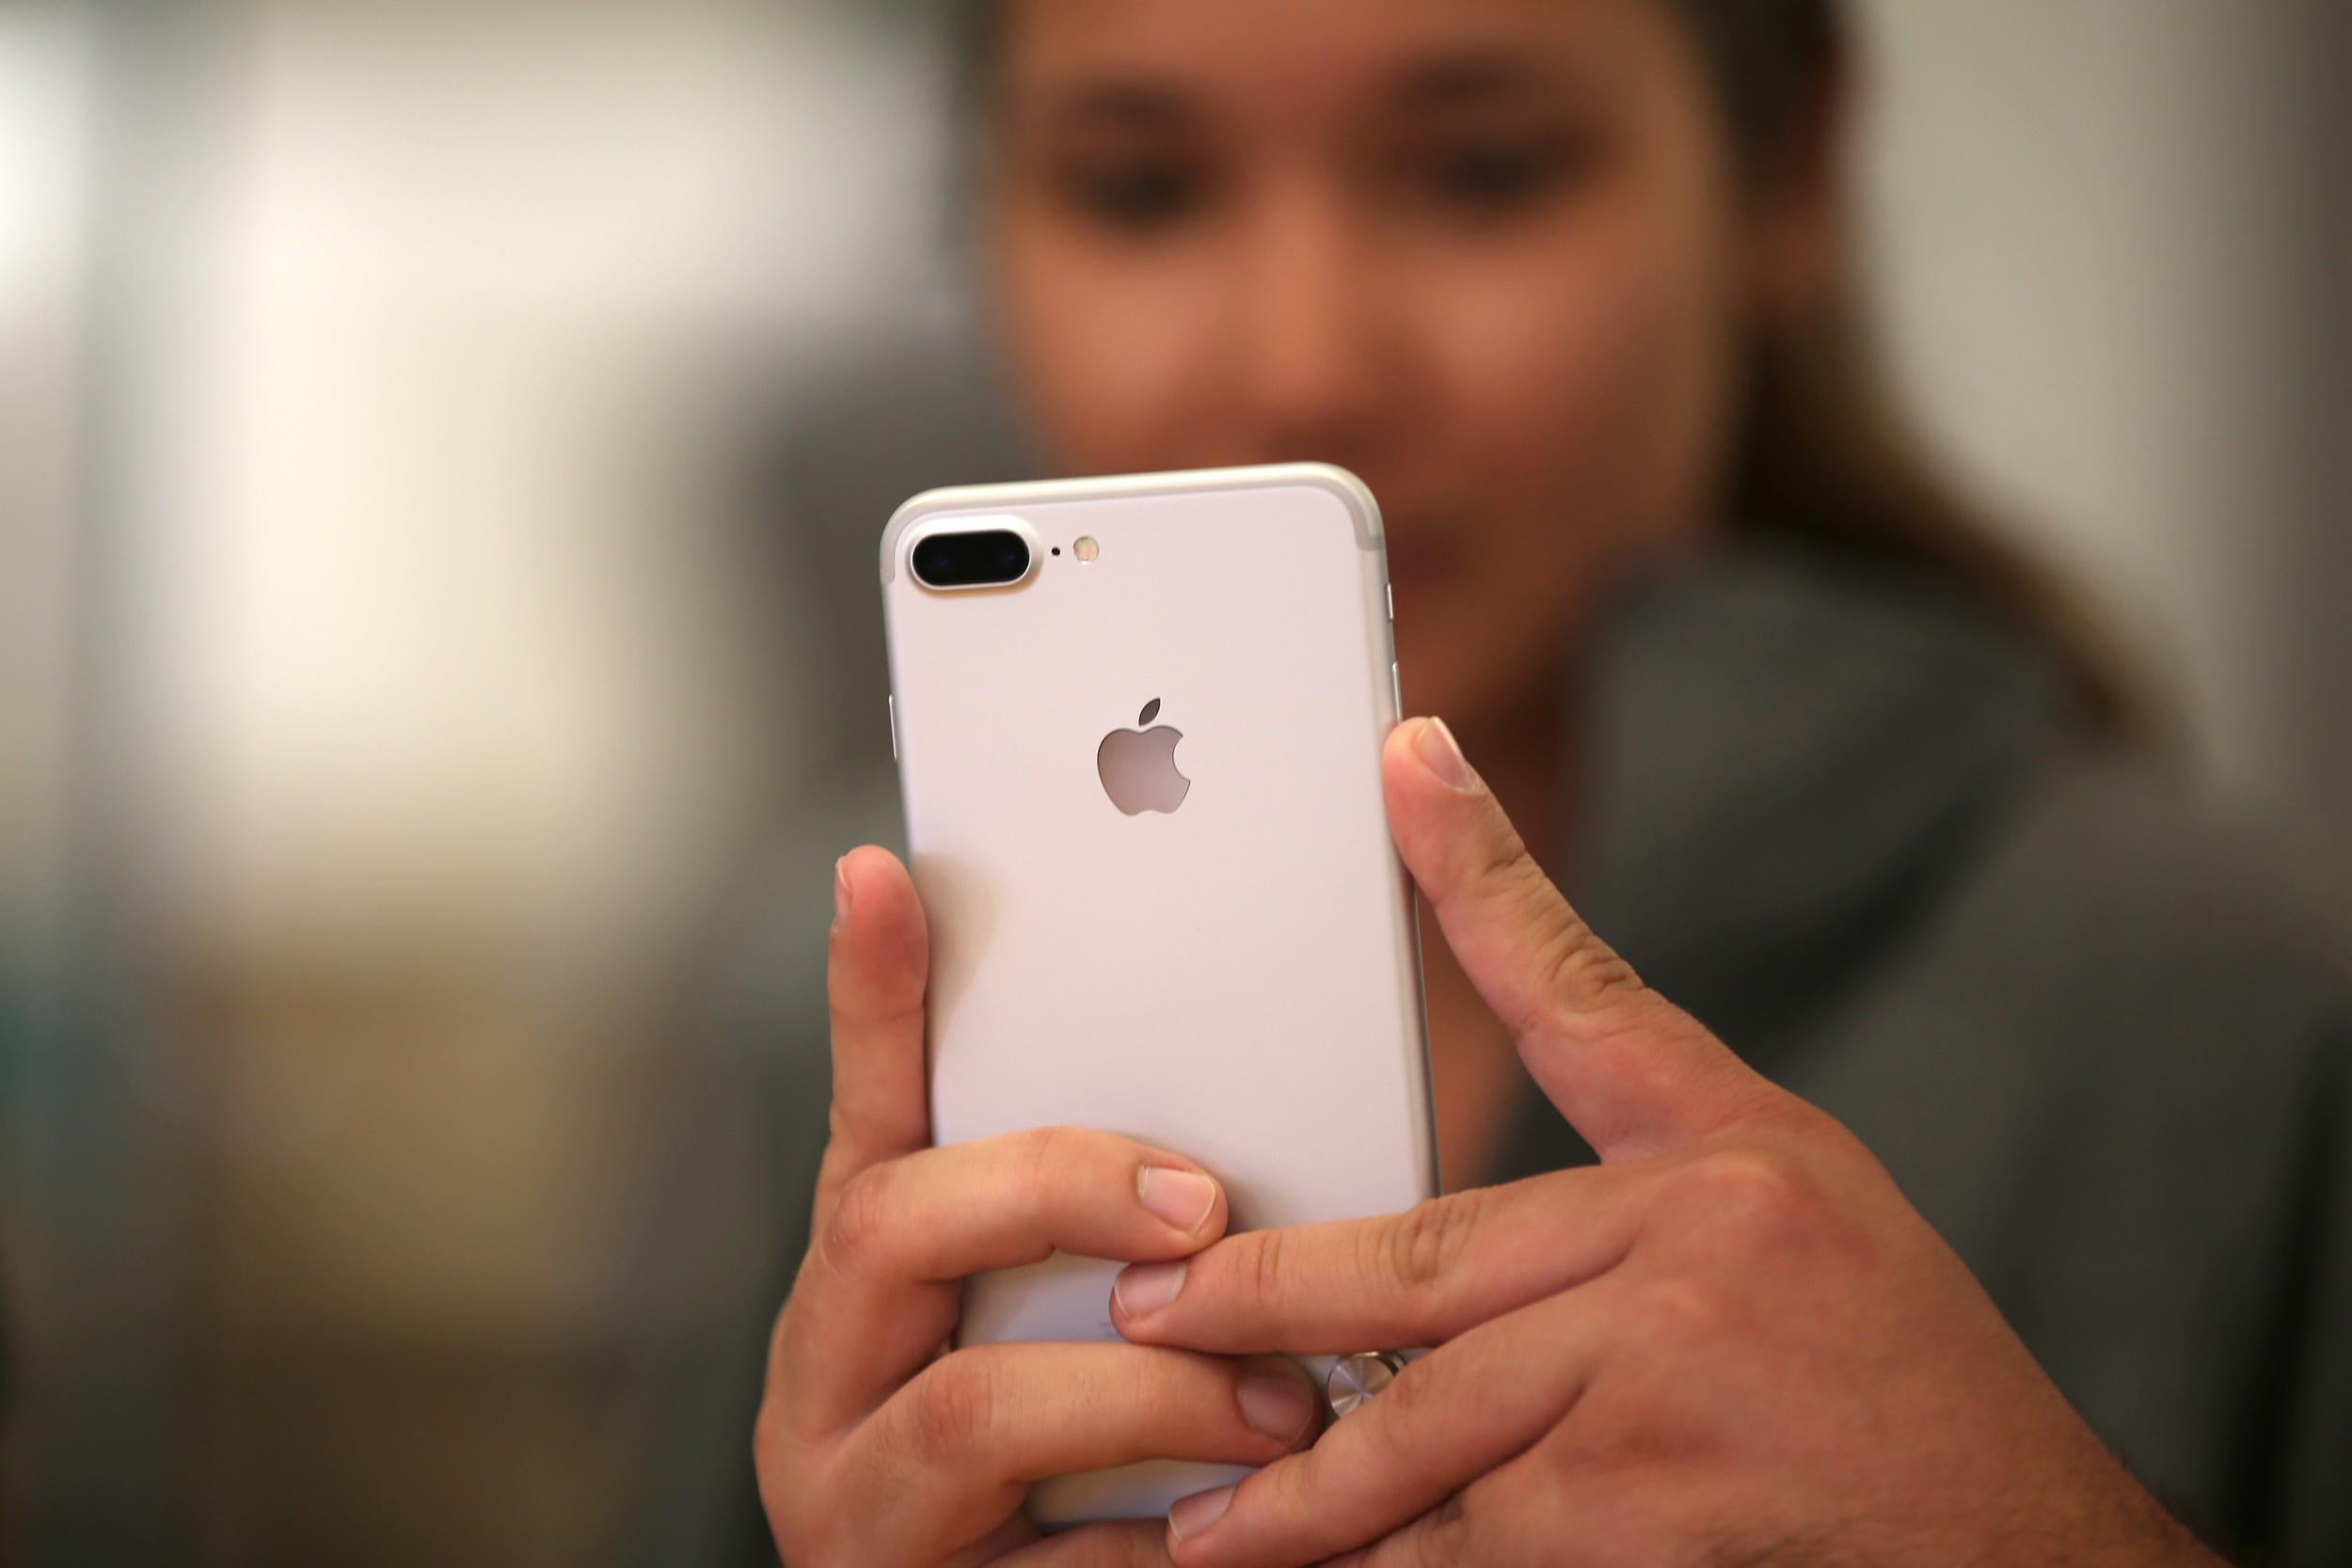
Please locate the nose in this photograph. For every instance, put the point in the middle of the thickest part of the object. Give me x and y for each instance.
(1309, 345)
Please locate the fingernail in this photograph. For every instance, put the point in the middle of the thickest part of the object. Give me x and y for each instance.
(1181, 1198)
(1142, 1288)
(1192, 1515)
(840, 893)
(1277, 1406)
(1442, 755)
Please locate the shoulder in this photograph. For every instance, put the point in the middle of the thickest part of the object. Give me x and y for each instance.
(2108, 858)
(2141, 1147)
(2151, 936)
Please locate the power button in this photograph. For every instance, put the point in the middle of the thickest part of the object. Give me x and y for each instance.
(893, 701)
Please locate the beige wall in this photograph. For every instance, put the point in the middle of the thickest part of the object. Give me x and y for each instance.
(2112, 237)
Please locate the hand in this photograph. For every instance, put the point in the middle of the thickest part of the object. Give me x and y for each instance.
(875, 1443)
(1731, 1341)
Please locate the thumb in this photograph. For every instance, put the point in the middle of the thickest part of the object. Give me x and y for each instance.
(878, 963)
(1632, 1073)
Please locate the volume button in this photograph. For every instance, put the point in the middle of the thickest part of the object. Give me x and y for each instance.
(893, 702)
(1390, 588)
(1396, 691)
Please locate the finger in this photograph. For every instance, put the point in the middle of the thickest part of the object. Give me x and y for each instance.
(1443, 1534)
(1631, 1071)
(1420, 1277)
(1450, 1417)
(1515, 1513)
(879, 1291)
(958, 1448)
(1136, 1543)
(1510, 1516)
(877, 962)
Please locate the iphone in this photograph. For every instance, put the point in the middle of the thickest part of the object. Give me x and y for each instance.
(1138, 724)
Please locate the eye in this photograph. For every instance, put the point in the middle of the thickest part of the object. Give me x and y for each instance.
(1495, 177)
(1132, 195)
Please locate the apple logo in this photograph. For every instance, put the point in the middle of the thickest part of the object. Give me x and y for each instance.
(1138, 765)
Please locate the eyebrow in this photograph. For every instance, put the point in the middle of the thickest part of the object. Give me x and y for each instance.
(1136, 102)
(1470, 78)
(1460, 79)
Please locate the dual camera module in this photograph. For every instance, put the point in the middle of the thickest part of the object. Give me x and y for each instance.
(981, 557)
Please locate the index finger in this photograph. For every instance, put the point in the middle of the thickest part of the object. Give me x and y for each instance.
(1631, 1071)
(1422, 1278)
(876, 970)
(1448, 1418)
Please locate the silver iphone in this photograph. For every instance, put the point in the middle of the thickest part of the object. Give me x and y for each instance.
(1138, 724)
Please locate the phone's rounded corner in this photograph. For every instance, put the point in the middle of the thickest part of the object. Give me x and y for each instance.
(912, 511)
(1363, 509)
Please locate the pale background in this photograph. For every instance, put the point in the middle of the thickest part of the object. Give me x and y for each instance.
(421, 431)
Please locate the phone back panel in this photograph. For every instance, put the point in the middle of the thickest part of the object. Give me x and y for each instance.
(1236, 980)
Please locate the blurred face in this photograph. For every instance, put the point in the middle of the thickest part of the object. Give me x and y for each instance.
(1490, 254)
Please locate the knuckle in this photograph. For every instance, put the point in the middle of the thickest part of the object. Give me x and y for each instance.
(949, 1408)
(1574, 971)
(1496, 861)
(1398, 1425)
(1260, 1266)
(1290, 1488)
(1579, 972)
(1443, 1539)
(780, 1333)
(860, 1219)
(1045, 1154)
(781, 1469)
(1057, 1162)
(1680, 1313)
(1757, 1192)
(769, 1442)
(1426, 1246)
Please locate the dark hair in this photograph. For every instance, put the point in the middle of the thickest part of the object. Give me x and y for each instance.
(1827, 458)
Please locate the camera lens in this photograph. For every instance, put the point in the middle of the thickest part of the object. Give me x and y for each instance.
(985, 557)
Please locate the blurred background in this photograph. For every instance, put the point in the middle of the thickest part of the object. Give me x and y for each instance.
(440, 448)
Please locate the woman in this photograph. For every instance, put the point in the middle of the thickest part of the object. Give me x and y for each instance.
(1564, 280)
